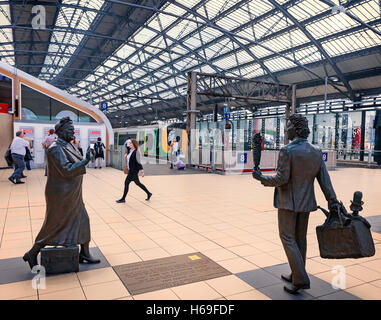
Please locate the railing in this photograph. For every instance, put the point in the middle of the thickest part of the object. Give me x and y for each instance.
(116, 159)
(355, 155)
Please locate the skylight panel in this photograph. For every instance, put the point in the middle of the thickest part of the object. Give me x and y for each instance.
(145, 35)
(234, 19)
(124, 51)
(207, 69)
(307, 9)
(193, 42)
(351, 43)
(330, 25)
(367, 11)
(306, 55)
(74, 18)
(259, 51)
(273, 24)
(183, 28)
(6, 35)
(226, 63)
(161, 21)
(110, 63)
(174, 10)
(257, 7)
(214, 8)
(279, 63)
(243, 57)
(188, 3)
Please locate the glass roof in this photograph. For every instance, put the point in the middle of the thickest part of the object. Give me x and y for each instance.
(65, 37)
(244, 38)
(6, 36)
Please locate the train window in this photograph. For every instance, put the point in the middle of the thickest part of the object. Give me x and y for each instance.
(39, 106)
(84, 117)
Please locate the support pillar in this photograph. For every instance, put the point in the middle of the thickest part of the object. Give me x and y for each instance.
(191, 113)
(290, 110)
(362, 141)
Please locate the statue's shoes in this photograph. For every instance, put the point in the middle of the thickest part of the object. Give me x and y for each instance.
(149, 196)
(120, 201)
(294, 289)
(83, 259)
(287, 277)
(32, 260)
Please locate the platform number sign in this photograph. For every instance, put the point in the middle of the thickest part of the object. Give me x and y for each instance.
(103, 106)
(242, 158)
(325, 156)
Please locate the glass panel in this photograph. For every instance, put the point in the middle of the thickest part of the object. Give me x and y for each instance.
(83, 117)
(270, 133)
(61, 110)
(37, 105)
(369, 130)
(325, 131)
(349, 135)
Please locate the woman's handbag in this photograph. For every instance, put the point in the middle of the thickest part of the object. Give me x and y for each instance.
(344, 235)
(126, 170)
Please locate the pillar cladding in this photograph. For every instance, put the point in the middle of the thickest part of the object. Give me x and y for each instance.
(191, 113)
(377, 146)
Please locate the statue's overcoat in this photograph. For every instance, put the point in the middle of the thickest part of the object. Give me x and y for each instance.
(66, 219)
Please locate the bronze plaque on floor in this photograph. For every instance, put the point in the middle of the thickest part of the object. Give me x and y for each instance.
(147, 276)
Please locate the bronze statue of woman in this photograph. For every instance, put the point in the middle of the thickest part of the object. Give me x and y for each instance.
(66, 219)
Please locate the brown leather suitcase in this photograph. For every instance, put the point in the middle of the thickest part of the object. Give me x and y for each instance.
(345, 236)
(60, 259)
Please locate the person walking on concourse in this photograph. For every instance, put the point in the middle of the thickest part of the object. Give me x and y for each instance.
(134, 167)
(18, 152)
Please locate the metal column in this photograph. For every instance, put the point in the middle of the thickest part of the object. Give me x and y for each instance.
(191, 113)
(290, 110)
(362, 143)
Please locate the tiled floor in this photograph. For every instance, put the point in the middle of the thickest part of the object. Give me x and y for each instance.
(229, 219)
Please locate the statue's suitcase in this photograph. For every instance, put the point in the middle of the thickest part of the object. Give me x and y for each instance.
(345, 236)
(60, 259)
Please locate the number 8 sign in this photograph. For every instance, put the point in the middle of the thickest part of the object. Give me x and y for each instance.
(325, 156)
(242, 157)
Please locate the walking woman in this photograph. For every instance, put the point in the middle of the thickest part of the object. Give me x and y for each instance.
(134, 166)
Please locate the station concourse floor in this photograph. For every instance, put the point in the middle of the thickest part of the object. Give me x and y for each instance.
(229, 219)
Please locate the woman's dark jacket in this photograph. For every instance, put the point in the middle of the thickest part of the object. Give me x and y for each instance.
(134, 164)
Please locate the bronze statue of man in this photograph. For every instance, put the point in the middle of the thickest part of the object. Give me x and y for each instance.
(66, 219)
(298, 165)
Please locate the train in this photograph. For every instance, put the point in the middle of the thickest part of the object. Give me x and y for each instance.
(154, 140)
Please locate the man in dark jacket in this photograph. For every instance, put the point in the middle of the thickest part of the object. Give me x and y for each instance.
(298, 165)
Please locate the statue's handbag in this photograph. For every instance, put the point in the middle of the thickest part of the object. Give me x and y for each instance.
(60, 259)
(345, 236)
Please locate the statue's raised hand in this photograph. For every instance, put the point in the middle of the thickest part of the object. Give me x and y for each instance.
(88, 154)
(257, 174)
